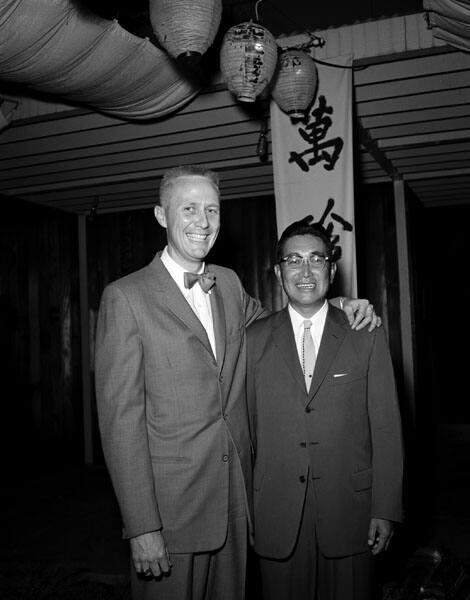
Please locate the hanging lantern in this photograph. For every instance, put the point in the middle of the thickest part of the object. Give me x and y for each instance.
(295, 82)
(248, 59)
(185, 28)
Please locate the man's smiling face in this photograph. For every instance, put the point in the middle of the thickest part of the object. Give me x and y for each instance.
(191, 216)
(306, 286)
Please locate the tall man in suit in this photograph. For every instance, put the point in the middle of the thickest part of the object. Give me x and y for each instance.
(326, 432)
(170, 382)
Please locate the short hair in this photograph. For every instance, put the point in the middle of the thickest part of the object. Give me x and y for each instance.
(172, 175)
(306, 226)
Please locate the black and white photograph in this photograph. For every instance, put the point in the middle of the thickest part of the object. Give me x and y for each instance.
(232, 258)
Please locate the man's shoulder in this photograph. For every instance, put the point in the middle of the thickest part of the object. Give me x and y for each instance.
(132, 285)
(226, 279)
(223, 273)
(339, 317)
(131, 280)
(360, 341)
(266, 324)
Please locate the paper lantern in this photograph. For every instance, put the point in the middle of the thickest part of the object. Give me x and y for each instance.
(294, 84)
(248, 60)
(185, 28)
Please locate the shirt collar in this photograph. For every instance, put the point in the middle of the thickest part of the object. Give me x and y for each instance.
(297, 319)
(176, 270)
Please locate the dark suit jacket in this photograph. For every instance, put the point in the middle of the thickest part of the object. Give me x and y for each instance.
(170, 413)
(345, 433)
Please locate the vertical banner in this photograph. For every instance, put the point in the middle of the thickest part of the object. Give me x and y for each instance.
(313, 166)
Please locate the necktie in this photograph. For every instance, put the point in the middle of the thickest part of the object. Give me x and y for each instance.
(206, 280)
(308, 354)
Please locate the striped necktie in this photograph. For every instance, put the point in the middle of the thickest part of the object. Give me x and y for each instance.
(308, 353)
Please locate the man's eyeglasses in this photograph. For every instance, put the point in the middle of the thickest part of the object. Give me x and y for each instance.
(314, 260)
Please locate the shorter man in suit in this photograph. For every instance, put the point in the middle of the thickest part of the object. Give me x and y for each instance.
(327, 435)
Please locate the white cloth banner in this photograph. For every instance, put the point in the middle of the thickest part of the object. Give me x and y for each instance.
(313, 166)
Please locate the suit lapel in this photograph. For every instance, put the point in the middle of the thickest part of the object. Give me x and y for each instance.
(285, 342)
(177, 303)
(332, 338)
(218, 318)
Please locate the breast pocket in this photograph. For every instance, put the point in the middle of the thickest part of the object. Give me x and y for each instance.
(345, 377)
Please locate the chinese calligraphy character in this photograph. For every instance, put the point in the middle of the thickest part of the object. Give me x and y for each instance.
(330, 226)
(314, 133)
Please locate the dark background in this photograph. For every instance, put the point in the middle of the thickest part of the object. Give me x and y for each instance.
(59, 512)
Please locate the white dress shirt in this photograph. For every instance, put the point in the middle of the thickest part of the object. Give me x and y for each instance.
(198, 300)
(318, 325)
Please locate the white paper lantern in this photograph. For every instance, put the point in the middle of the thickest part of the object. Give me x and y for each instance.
(185, 28)
(248, 59)
(295, 82)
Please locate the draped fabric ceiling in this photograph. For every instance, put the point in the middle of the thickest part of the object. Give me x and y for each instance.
(53, 47)
(411, 104)
(450, 21)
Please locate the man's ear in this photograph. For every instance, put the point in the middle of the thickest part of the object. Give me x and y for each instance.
(160, 215)
(277, 272)
(332, 272)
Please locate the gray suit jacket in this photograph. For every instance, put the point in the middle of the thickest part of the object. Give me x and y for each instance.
(169, 413)
(345, 433)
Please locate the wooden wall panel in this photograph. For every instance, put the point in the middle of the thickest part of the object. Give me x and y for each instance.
(442, 296)
(377, 259)
(39, 333)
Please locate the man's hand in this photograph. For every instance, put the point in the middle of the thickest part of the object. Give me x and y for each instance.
(360, 313)
(380, 534)
(149, 554)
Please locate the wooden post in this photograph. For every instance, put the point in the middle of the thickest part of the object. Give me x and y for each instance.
(34, 337)
(85, 341)
(406, 316)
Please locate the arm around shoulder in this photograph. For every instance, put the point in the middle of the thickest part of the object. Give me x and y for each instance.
(253, 309)
(359, 311)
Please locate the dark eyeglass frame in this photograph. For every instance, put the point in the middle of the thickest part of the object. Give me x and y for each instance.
(315, 260)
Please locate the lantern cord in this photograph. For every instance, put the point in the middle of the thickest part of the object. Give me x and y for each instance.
(262, 145)
(318, 42)
(256, 10)
(94, 209)
(314, 42)
(328, 64)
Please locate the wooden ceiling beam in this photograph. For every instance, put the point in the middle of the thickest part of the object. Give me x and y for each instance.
(372, 147)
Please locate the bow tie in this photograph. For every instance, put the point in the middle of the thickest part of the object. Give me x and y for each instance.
(206, 280)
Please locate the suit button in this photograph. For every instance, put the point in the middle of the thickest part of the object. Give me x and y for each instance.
(302, 479)
(225, 457)
(221, 378)
(303, 444)
(308, 409)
